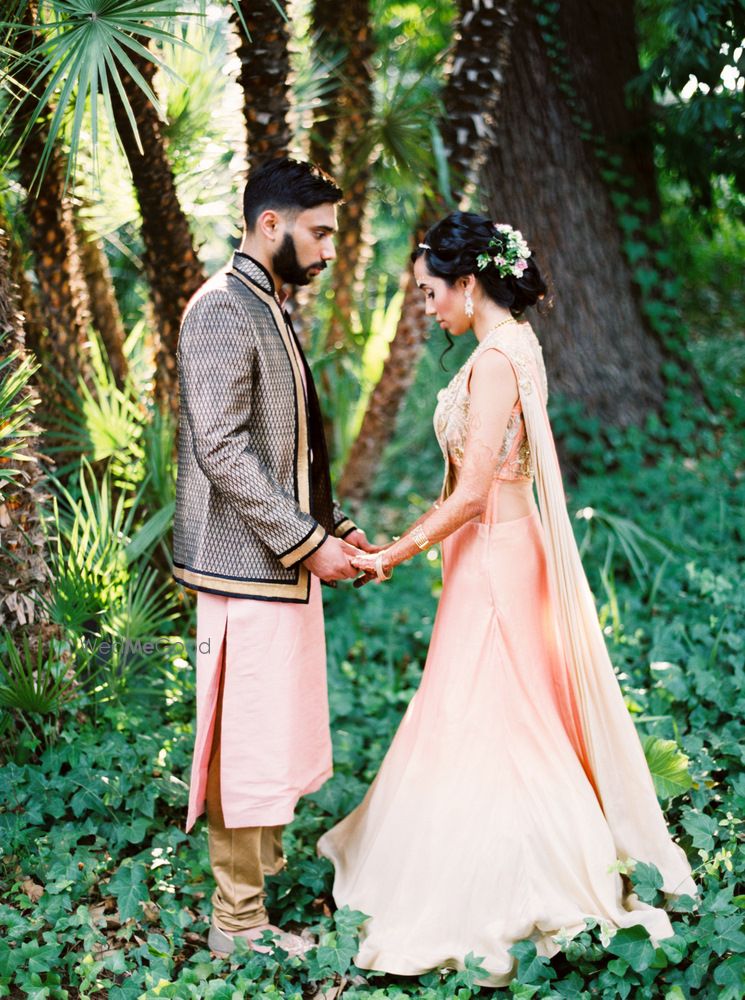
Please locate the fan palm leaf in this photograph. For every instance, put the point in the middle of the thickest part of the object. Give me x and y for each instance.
(79, 52)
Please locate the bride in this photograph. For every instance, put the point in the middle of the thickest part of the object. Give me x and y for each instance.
(516, 780)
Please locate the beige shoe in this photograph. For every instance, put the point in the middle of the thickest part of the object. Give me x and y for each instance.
(223, 942)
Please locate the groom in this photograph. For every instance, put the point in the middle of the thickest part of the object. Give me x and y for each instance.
(256, 530)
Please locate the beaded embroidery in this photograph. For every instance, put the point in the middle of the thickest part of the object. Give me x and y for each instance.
(451, 414)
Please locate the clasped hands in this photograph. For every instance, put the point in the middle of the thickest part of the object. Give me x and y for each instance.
(345, 558)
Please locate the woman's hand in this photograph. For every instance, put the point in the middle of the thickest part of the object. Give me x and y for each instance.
(365, 563)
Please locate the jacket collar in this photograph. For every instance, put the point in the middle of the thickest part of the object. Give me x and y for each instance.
(254, 271)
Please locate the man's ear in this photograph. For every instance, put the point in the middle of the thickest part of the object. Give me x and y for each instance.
(269, 224)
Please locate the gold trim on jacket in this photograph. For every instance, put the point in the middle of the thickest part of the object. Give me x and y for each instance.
(243, 493)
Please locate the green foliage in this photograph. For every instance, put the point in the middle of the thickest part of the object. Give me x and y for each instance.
(103, 893)
(643, 240)
(101, 422)
(16, 408)
(693, 55)
(75, 58)
(668, 767)
(34, 681)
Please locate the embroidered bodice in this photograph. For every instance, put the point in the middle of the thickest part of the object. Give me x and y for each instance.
(514, 461)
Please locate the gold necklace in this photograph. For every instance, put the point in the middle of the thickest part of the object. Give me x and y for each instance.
(493, 329)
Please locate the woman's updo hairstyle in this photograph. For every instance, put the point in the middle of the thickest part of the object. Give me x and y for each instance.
(453, 248)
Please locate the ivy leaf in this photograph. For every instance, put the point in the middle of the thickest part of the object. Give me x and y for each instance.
(646, 278)
(333, 956)
(647, 882)
(471, 972)
(729, 935)
(702, 829)
(531, 968)
(635, 250)
(522, 991)
(675, 948)
(348, 922)
(629, 223)
(130, 889)
(136, 831)
(633, 945)
(338, 947)
(116, 961)
(731, 973)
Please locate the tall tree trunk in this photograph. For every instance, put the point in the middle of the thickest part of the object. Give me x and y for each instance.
(598, 347)
(172, 266)
(28, 299)
(602, 47)
(107, 318)
(265, 67)
(324, 18)
(354, 107)
(472, 100)
(52, 238)
(23, 574)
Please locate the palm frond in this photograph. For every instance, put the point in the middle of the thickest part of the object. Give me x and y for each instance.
(75, 57)
(37, 681)
(16, 408)
(88, 532)
(643, 552)
(106, 423)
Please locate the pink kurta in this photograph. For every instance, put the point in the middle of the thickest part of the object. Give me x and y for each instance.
(276, 744)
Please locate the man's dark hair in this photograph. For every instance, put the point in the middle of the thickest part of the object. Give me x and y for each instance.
(286, 184)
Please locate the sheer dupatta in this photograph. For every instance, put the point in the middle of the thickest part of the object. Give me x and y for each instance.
(613, 755)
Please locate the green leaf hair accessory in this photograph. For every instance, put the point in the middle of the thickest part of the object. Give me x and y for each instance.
(507, 251)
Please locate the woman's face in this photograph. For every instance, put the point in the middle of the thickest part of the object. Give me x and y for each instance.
(443, 301)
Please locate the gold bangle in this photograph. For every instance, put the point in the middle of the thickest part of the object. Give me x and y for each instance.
(379, 572)
(420, 537)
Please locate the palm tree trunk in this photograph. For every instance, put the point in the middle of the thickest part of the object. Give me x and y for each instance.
(598, 346)
(379, 422)
(28, 299)
(23, 574)
(354, 107)
(52, 239)
(172, 266)
(472, 99)
(324, 18)
(265, 67)
(107, 318)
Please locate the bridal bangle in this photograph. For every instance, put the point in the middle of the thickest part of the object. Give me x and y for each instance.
(379, 568)
(420, 537)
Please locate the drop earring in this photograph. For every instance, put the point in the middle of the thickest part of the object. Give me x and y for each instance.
(469, 303)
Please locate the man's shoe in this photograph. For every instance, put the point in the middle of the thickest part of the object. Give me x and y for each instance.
(223, 942)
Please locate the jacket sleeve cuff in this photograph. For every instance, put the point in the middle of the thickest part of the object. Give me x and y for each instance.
(305, 548)
(344, 528)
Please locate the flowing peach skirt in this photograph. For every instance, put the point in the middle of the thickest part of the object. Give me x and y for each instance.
(481, 827)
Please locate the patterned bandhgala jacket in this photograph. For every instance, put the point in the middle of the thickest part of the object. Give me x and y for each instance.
(253, 495)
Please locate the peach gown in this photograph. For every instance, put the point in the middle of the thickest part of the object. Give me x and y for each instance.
(500, 809)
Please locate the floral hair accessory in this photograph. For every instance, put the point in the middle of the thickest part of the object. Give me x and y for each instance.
(507, 251)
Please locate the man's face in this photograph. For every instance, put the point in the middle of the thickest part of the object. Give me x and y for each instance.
(307, 245)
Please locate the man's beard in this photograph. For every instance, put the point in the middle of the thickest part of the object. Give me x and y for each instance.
(287, 267)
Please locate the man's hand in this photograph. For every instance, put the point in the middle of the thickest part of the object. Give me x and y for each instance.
(331, 561)
(358, 538)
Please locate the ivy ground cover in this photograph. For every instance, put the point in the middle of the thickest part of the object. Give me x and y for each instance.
(103, 895)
